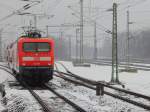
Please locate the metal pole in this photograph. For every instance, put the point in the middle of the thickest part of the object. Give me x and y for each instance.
(1, 45)
(70, 48)
(47, 30)
(35, 21)
(30, 27)
(90, 8)
(116, 37)
(95, 42)
(81, 31)
(77, 30)
(112, 74)
(128, 37)
(114, 47)
(61, 45)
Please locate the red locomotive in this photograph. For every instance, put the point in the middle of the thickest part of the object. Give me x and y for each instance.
(31, 57)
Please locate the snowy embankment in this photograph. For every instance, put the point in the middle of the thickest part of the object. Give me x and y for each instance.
(138, 82)
(4, 78)
(15, 100)
(20, 100)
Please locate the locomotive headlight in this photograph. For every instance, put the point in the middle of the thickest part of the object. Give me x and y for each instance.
(27, 58)
(23, 64)
(45, 58)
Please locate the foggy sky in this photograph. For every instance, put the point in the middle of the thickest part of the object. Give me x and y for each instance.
(139, 14)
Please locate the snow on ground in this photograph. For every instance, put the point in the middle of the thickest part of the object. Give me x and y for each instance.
(138, 82)
(87, 99)
(18, 98)
(54, 102)
(15, 100)
(21, 101)
(4, 77)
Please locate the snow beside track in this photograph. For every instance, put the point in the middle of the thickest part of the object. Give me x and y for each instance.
(138, 82)
(87, 99)
(5, 77)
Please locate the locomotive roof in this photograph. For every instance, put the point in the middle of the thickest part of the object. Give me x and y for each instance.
(35, 39)
(42, 38)
(31, 39)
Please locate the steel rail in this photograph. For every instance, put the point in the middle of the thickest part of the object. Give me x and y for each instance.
(111, 94)
(126, 91)
(6, 70)
(114, 95)
(140, 67)
(77, 77)
(76, 82)
(40, 101)
(63, 66)
(147, 107)
(65, 99)
(4, 66)
(124, 63)
(45, 107)
(109, 86)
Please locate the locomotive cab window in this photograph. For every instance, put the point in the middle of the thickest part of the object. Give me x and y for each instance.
(36, 47)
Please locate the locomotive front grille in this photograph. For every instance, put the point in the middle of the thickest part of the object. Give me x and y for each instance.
(35, 70)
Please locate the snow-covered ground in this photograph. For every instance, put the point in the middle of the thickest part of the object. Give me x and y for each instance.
(86, 98)
(138, 82)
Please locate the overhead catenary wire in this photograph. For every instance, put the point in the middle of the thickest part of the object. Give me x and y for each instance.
(25, 7)
(56, 3)
(133, 4)
(101, 27)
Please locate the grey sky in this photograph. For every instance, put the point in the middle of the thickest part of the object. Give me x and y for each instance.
(140, 13)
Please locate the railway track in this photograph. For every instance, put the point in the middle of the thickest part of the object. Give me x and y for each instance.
(94, 85)
(75, 106)
(44, 106)
(123, 60)
(99, 86)
(132, 65)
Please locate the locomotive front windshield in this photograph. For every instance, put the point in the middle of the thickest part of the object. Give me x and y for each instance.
(36, 47)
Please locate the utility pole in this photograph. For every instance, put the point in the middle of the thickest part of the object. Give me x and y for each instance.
(70, 48)
(114, 78)
(128, 37)
(47, 30)
(128, 58)
(35, 21)
(30, 27)
(90, 8)
(81, 31)
(95, 42)
(77, 31)
(1, 44)
(61, 44)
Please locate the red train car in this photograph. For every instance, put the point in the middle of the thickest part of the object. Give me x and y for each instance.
(32, 59)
